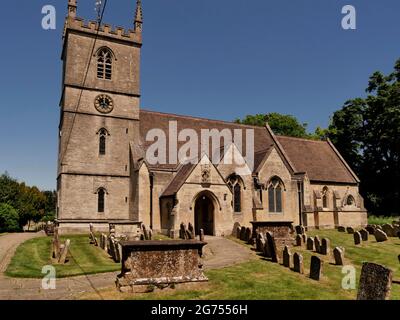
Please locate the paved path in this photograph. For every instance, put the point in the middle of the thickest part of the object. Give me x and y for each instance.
(219, 253)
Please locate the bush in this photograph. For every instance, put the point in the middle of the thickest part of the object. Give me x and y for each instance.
(8, 218)
(381, 220)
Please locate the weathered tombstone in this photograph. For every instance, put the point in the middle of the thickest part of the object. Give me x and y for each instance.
(316, 268)
(101, 242)
(272, 247)
(378, 227)
(339, 256)
(357, 238)
(287, 257)
(243, 233)
(310, 244)
(64, 253)
(235, 228)
(375, 282)
(202, 235)
(182, 231)
(145, 232)
(56, 249)
(266, 251)
(299, 240)
(371, 229)
(389, 230)
(150, 234)
(238, 230)
(91, 228)
(325, 247)
(191, 231)
(304, 238)
(248, 235)
(341, 229)
(300, 230)
(350, 230)
(298, 263)
(317, 244)
(380, 236)
(259, 242)
(364, 234)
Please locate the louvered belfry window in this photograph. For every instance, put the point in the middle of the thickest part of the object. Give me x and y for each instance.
(104, 64)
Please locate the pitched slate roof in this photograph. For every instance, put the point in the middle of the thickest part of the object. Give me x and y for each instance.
(179, 179)
(319, 159)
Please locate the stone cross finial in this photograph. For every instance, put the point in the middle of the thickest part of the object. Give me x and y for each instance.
(139, 16)
(72, 8)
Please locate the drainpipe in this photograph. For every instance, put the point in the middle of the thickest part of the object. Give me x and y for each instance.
(151, 199)
(300, 196)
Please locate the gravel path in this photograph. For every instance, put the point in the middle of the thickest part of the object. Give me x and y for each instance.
(219, 253)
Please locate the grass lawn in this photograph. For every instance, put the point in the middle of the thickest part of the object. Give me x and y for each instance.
(381, 220)
(84, 258)
(260, 279)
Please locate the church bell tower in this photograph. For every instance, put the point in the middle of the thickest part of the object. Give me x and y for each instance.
(99, 118)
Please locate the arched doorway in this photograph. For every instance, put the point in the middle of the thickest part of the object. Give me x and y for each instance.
(204, 215)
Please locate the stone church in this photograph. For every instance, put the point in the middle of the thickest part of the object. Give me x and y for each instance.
(104, 175)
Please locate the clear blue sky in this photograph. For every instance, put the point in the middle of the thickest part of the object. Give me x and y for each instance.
(220, 59)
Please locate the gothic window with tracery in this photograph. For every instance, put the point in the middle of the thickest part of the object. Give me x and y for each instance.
(235, 183)
(104, 64)
(350, 201)
(275, 189)
(102, 141)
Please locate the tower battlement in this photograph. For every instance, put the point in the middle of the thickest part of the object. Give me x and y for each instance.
(105, 30)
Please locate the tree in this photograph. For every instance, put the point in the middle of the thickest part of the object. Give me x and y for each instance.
(280, 124)
(8, 218)
(367, 133)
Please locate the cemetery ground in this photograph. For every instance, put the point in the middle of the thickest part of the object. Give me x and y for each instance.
(256, 278)
(260, 279)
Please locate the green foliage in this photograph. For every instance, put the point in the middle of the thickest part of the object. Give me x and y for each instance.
(381, 220)
(286, 125)
(367, 133)
(30, 203)
(8, 218)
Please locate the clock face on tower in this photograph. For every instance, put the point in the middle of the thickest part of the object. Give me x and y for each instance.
(104, 103)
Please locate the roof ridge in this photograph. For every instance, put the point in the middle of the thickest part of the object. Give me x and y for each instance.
(298, 138)
(200, 118)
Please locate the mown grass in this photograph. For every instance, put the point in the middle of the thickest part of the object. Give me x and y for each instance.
(83, 258)
(260, 279)
(381, 220)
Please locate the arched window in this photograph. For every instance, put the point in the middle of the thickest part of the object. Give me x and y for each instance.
(350, 201)
(235, 183)
(325, 197)
(101, 194)
(275, 189)
(104, 64)
(102, 141)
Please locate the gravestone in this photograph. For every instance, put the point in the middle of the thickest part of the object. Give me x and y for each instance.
(248, 235)
(380, 236)
(243, 233)
(316, 268)
(101, 242)
(364, 234)
(304, 238)
(266, 251)
(192, 234)
(317, 244)
(339, 256)
(298, 263)
(389, 230)
(260, 243)
(371, 229)
(287, 257)
(64, 253)
(150, 234)
(182, 231)
(299, 240)
(272, 247)
(375, 282)
(357, 238)
(350, 230)
(238, 229)
(201, 235)
(310, 244)
(235, 230)
(341, 229)
(300, 230)
(56, 249)
(325, 247)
